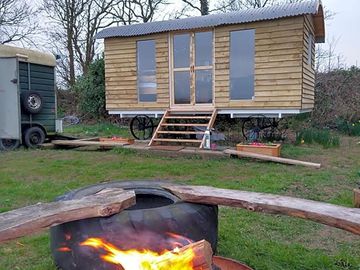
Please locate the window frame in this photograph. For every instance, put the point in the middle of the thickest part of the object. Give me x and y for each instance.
(233, 100)
(137, 71)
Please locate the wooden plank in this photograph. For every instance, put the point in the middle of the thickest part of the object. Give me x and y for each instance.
(187, 117)
(336, 216)
(78, 143)
(184, 125)
(357, 198)
(180, 132)
(34, 218)
(209, 126)
(162, 121)
(177, 140)
(273, 159)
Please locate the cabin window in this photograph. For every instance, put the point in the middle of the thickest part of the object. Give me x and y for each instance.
(242, 63)
(310, 45)
(146, 70)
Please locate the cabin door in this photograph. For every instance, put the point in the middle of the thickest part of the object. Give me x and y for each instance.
(192, 69)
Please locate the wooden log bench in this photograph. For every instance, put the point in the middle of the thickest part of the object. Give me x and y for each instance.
(23, 221)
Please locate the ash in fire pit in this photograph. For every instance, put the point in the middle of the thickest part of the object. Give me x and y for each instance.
(159, 221)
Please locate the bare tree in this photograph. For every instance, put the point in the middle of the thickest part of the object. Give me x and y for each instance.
(204, 7)
(17, 21)
(74, 24)
(64, 15)
(136, 11)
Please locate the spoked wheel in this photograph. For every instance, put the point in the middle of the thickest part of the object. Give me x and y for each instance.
(142, 127)
(260, 127)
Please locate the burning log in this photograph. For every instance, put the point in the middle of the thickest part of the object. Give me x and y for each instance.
(203, 254)
(26, 220)
(194, 256)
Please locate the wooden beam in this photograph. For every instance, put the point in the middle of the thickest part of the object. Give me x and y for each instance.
(336, 216)
(26, 220)
(273, 159)
(357, 198)
(79, 143)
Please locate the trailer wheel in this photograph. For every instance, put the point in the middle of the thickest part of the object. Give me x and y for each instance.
(34, 136)
(31, 102)
(9, 144)
(142, 127)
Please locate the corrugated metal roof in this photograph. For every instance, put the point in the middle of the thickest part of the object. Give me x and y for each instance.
(243, 16)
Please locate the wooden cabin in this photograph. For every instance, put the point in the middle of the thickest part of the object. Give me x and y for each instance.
(257, 61)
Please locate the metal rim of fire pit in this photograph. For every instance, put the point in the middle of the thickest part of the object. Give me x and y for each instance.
(229, 264)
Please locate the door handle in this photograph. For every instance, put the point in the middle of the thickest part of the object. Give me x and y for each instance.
(14, 81)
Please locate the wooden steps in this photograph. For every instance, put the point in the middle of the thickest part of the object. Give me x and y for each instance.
(187, 117)
(180, 132)
(176, 140)
(183, 128)
(185, 125)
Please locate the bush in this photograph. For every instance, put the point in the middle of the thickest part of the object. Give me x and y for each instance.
(337, 96)
(90, 91)
(322, 137)
(348, 128)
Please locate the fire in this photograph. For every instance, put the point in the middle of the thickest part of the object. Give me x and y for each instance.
(133, 259)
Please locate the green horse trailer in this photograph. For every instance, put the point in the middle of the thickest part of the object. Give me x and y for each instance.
(27, 97)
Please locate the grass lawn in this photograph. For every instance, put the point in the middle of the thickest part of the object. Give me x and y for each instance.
(260, 240)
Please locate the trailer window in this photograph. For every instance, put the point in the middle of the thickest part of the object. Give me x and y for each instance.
(146, 70)
(242, 58)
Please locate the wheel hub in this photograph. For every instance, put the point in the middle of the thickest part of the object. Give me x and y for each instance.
(34, 102)
(35, 138)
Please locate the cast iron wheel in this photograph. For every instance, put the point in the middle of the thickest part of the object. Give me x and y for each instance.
(142, 127)
(9, 144)
(34, 136)
(31, 102)
(253, 126)
(157, 212)
(261, 128)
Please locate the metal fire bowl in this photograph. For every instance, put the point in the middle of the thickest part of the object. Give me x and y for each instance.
(229, 264)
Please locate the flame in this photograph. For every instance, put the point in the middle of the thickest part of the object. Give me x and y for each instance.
(133, 259)
(64, 249)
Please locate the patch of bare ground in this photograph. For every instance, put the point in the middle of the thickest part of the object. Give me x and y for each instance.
(327, 238)
(345, 156)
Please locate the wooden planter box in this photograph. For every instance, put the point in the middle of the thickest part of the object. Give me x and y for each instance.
(117, 139)
(269, 150)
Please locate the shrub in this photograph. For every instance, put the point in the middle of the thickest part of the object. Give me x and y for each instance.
(321, 136)
(337, 96)
(90, 90)
(348, 128)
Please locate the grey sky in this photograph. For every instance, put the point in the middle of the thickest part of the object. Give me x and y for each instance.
(345, 29)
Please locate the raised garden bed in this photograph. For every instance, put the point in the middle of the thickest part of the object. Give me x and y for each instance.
(260, 148)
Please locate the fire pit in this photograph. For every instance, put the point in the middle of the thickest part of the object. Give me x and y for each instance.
(159, 221)
(228, 264)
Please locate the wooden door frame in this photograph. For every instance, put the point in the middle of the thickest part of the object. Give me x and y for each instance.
(192, 105)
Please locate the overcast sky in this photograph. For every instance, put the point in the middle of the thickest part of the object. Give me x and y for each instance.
(345, 29)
